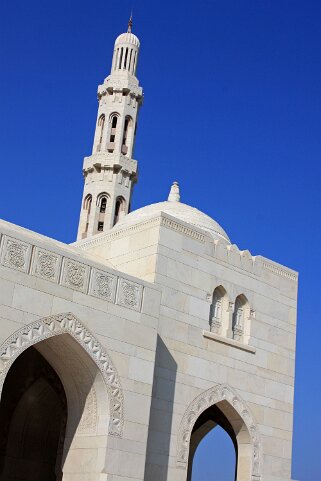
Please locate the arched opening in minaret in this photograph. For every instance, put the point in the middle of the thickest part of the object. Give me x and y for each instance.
(102, 202)
(120, 209)
(33, 419)
(213, 452)
(87, 208)
(112, 134)
(101, 125)
(127, 135)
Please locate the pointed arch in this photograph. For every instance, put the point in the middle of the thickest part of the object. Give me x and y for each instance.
(47, 327)
(213, 396)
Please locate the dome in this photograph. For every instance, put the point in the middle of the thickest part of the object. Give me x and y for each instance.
(176, 209)
(128, 38)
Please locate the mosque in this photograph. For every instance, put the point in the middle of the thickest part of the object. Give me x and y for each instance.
(120, 352)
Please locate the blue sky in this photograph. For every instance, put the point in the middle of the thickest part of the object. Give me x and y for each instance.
(232, 111)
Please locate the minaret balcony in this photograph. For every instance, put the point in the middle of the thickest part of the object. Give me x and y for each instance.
(108, 160)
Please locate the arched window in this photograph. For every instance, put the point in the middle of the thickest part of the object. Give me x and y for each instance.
(218, 311)
(87, 208)
(101, 125)
(112, 135)
(127, 136)
(87, 202)
(238, 319)
(103, 204)
(119, 209)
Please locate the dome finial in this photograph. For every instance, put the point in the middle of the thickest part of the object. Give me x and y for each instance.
(174, 195)
(130, 23)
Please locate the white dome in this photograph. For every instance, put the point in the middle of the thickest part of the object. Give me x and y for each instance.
(180, 211)
(128, 38)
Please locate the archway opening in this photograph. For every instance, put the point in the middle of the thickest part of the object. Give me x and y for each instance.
(214, 457)
(213, 425)
(63, 370)
(33, 419)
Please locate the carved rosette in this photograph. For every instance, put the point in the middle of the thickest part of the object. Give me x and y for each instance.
(103, 285)
(129, 294)
(75, 275)
(46, 265)
(202, 402)
(67, 323)
(16, 254)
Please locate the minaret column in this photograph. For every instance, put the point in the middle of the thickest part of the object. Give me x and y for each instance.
(110, 173)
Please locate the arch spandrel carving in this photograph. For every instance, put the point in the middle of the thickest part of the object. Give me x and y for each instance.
(67, 323)
(214, 395)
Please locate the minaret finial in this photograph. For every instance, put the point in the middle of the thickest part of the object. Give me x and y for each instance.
(174, 195)
(130, 23)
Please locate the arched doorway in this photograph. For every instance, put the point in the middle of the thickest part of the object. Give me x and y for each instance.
(221, 405)
(212, 419)
(91, 385)
(33, 419)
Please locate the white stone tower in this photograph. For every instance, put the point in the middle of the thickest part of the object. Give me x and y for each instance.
(111, 172)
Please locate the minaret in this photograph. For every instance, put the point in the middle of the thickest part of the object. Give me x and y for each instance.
(111, 172)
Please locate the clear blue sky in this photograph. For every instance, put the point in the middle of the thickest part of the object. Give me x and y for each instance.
(232, 111)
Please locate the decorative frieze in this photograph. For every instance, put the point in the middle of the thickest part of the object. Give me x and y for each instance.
(280, 272)
(75, 275)
(129, 294)
(15, 254)
(103, 285)
(46, 265)
(53, 267)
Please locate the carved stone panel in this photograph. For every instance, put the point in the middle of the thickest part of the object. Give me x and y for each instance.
(75, 275)
(103, 285)
(46, 265)
(16, 254)
(129, 294)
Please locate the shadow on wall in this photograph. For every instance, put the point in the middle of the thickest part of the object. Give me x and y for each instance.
(161, 414)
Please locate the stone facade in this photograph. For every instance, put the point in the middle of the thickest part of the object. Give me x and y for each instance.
(158, 329)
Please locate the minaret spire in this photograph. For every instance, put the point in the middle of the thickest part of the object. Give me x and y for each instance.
(130, 23)
(111, 172)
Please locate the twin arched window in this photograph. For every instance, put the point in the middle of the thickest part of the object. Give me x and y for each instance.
(227, 318)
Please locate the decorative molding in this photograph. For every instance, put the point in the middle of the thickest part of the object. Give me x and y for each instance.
(67, 323)
(16, 254)
(46, 265)
(75, 275)
(156, 221)
(129, 294)
(280, 272)
(103, 285)
(100, 238)
(203, 401)
(170, 224)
